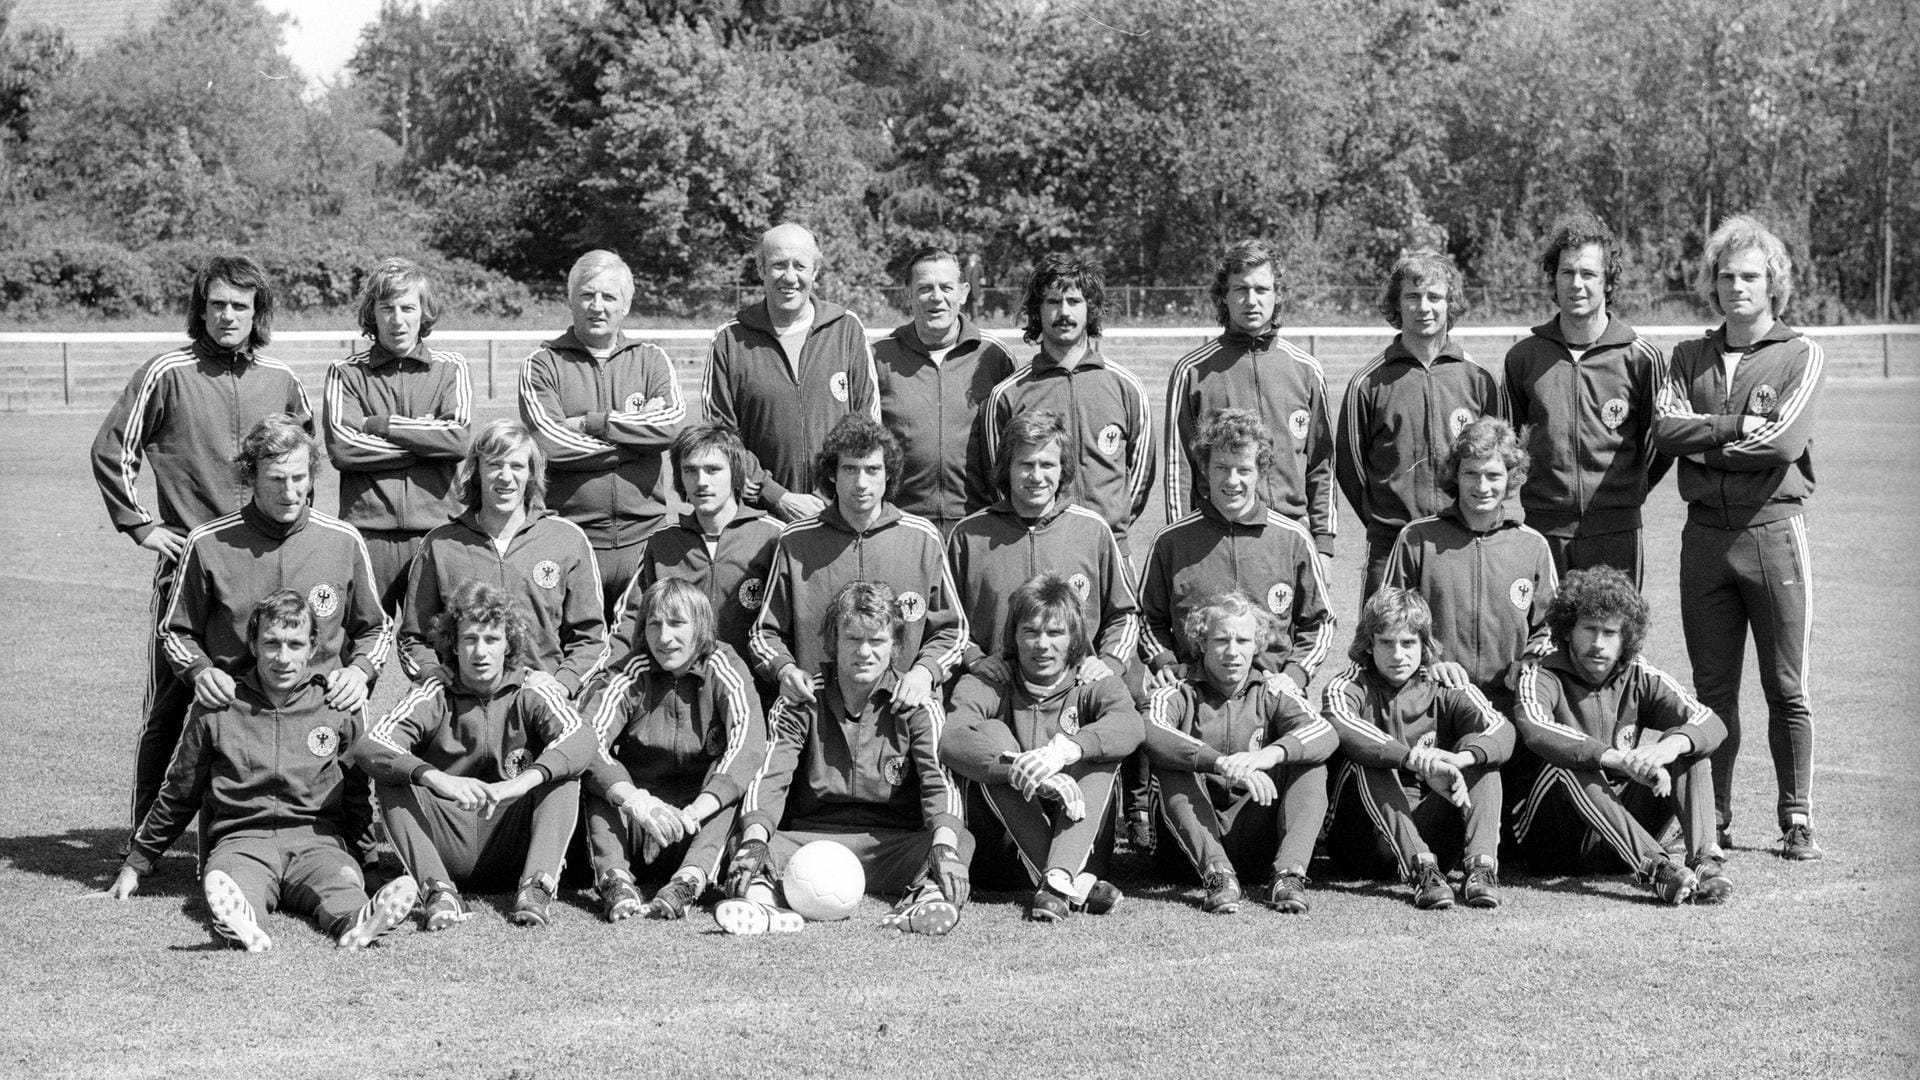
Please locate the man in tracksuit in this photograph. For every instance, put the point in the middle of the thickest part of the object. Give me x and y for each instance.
(934, 375)
(604, 408)
(185, 412)
(1250, 366)
(1403, 409)
(397, 424)
(784, 371)
(1738, 410)
(1583, 388)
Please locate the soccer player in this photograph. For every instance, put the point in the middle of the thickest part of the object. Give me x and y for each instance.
(1104, 404)
(184, 412)
(604, 409)
(1045, 750)
(506, 535)
(850, 764)
(286, 819)
(934, 374)
(1582, 389)
(1738, 410)
(1242, 766)
(398, 420)
(477, 776)
(1406, 405)
(784, 370)
(1251, 366)
(860, 536)
(1486, 578)
(1423, 761)
(1622, 746)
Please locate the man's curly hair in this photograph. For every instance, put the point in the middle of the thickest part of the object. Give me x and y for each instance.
(481, 603)
(1600, 592)
(1065, 272)
(856, 436)
(1390, 611)
(1199, 622)
(1231, 429)
(1486, 437)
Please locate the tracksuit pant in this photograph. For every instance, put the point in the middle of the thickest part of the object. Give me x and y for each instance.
(1385, 819)
(617, 568)
(439, 842)
(297, 870)
(1044, 838)
(1620, 550)
(165, 709)
(1376, 575)
(392, 552)
(895, 860)
(1214, 825)
(1562, 807)
(613, 841)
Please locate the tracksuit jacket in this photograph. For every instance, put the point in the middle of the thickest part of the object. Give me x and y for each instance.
(1489, 591)
(396, 428)
(1729, 481)
(1108, 428)
(816, 558)
(783, 417)
(931, 408)
(611, 477)
(1397, 421)
(733, 574)
(996, 551)
(989, 724)
(828, 770)
(1287, 387)
(549, 569)
(699, 732)
(1379, 724)
(255, 768)
(234, 562)
(488, 736)
(1570, 722)
(187, 411)
(1271, 560)
(1191, 725)
(1588, 421)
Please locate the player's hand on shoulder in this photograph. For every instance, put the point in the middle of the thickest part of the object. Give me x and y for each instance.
(1092, 670)
(914, 689)
(991, 669)
(1166, 676)
(213, 689)
(796, 685)
(796, 505)
(1449, 674)
(347, 688)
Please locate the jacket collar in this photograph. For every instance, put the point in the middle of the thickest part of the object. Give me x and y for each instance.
(1511, 516)
(1212, 513)
(1045, 364)
(1779, 331)
(1561, 661)
(471, 519)
(1240, 339)
(207, 350)
(742, 514)
(882, 693)
(250, 679)
(569, 342)
(279, 530)
(909, 338)
(380, 356)
(888, 514)
(1617, 332)
(755, 315)
(1397, 350)
(509, 684)
(1005, 508)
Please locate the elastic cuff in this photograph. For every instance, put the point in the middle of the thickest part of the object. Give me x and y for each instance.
(594, 424)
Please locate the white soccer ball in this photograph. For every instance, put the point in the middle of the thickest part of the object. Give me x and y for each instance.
(823, 881)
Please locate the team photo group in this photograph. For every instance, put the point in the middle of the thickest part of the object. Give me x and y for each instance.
(876, 615)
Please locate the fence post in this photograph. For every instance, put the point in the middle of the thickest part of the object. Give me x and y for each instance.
(66, 373)
(1313, 345)
(493, 347)
(1886, 356)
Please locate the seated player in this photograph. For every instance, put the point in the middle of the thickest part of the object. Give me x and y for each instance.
(1422, 764)
(682, 737)
(476, 776)
(1046, 750)
(1486, 577)
(1620, 745)
(850, 765)
(1241, 762)
(286, 820)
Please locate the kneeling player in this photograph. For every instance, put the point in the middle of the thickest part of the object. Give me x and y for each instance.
(848, 766)
(1046, 750)
(1585, 711)
(477, 779)
(1425, 760)
(683, 734)
(279, 834)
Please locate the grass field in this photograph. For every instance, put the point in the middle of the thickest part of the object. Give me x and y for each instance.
(1811, 970)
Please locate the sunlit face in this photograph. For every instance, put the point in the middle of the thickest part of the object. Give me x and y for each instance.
(707, 478)
(1423, 308)
(1035, 479)
(506, 479)
(938, 295)
(1742, 286)
(599, 304)
(1483, 485)
(280, 656)
(1396, 654)
(1596, 645)
(1251, 295)
(1228, 651)
(864, 653)
(860, 484)
(397, 320)
(1233, 480)
(483, 654)
(789, 265)
(1580, 284)
(1064, 316)
(282, 485)
(1044, 645)
(228, 314)
(671, 637)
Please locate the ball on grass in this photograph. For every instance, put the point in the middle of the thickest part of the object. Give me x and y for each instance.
(823, 881)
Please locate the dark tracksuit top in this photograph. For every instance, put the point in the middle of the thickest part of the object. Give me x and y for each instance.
(1287, 387)
(989, 721)
(611, 477)
(1108, 428)
(488, 736)
(1570, 723)
(256, 768)
(1271, 560)
(1589, 428)
(1191, 725)
(731, 571)
(186, 412)
(817, 557)
(931, 408)
(783, 417)
(396, 429)
(680, 736)
(994, 552)
(548, 569)
(827, 770)
(234, 562)
(1489, 591)
(1397, 421)
(1379, 724)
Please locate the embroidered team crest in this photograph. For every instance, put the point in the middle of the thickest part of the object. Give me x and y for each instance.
(636, 401)
(1765, 400)
(1458, 421)
(752, 592)
(1613, 413)
(1280, 598)
(1254, 740)
(913, 606)
(324, 599)
(1081, 586)
(1426, 741)
(1110, 437)
(546, 573)
(515, 764)
(1297, 422)
(1627, 737)
(894, 770)
(323, 741)
(1520, 593)
(838, 384)
(1070, 720)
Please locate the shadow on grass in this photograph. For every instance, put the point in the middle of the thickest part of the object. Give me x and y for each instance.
(91, 857)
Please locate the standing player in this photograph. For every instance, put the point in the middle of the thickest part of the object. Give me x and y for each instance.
(184, 412)
(934, 374)
(784, 371)
(1738, 410)
(604, 408)
(398, 418)
(1405, 406)
(1582, 389)
(1250, 366)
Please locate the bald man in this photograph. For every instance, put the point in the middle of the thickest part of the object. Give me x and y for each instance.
(784, 370)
